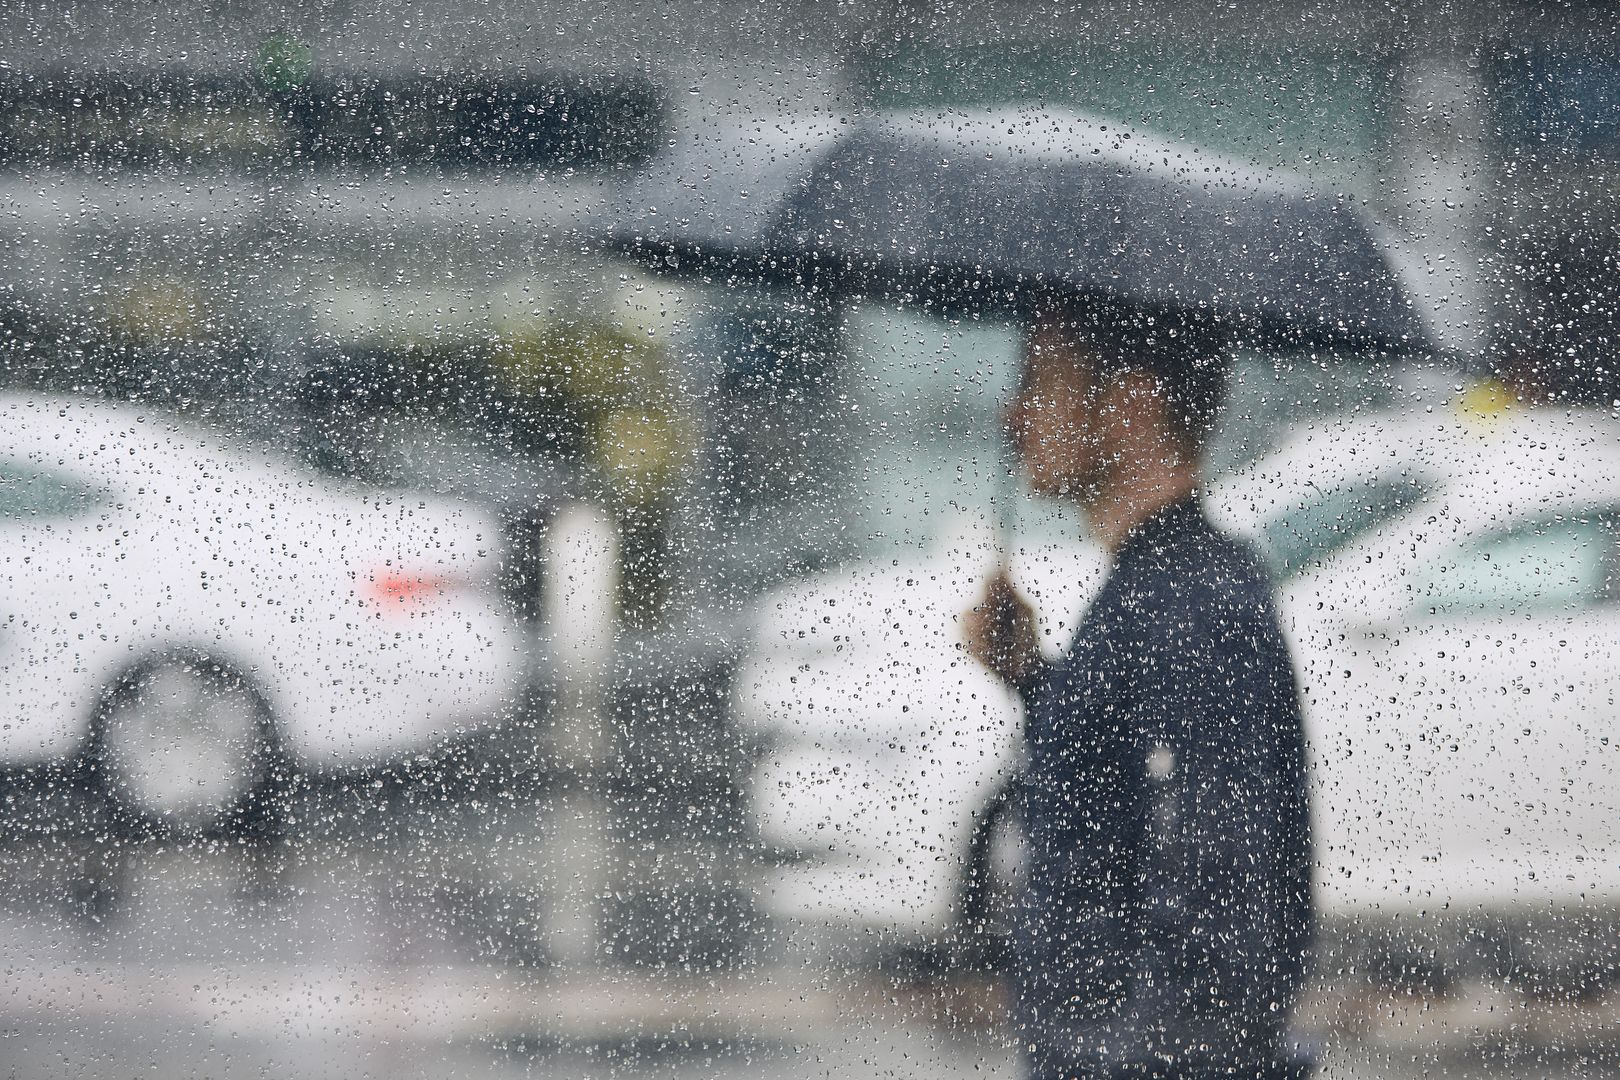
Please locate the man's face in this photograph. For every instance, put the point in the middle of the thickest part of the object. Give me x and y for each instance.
(1061, 420)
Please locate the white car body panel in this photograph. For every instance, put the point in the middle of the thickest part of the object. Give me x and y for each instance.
(186, 541)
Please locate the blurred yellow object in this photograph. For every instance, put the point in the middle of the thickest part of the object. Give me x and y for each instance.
(617, 384)
(1482, 404)
(594, 366)
(641, 451)
(157, 311)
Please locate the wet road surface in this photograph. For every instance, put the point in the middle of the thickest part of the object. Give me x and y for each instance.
(417, 940)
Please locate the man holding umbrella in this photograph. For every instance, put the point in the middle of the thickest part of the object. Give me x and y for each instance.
(1166, 922)
(1166, 925)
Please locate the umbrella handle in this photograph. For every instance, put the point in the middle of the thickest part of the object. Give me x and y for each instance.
(1004, 502)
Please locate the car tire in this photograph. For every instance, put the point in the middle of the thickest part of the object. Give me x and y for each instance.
(991, 887)
(183, 746)
(980, 940)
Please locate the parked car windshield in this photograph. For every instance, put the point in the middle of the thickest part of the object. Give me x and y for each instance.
(30, 494)
(1559, 567)
(1325, 522)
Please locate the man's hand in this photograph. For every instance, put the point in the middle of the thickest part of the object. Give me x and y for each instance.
(1000, 633)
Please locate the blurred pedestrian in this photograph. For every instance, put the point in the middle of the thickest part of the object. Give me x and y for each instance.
(1164, 930)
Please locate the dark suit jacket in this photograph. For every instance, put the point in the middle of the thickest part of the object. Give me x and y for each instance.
(1167, 915)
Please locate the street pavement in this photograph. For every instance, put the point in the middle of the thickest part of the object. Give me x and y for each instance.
(414, 943)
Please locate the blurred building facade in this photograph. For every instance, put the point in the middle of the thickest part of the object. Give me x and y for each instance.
(240, 206)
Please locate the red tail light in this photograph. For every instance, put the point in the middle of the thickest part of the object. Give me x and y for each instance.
(395, 588)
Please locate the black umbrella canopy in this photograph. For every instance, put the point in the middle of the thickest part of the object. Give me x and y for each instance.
(997, 209)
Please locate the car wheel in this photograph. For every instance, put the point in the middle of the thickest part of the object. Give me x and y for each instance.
(184, 746)
(992, 883)
(992, 887)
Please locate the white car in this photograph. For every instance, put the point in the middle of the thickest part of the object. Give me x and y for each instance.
(887, 749)
(1449, 581)
(189, 619)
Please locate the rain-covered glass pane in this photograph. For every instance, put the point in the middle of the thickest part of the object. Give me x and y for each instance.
(799, 540)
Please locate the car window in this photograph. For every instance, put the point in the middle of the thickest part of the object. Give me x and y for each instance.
(1559, 565)
(1315, 527)
(28, 494)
